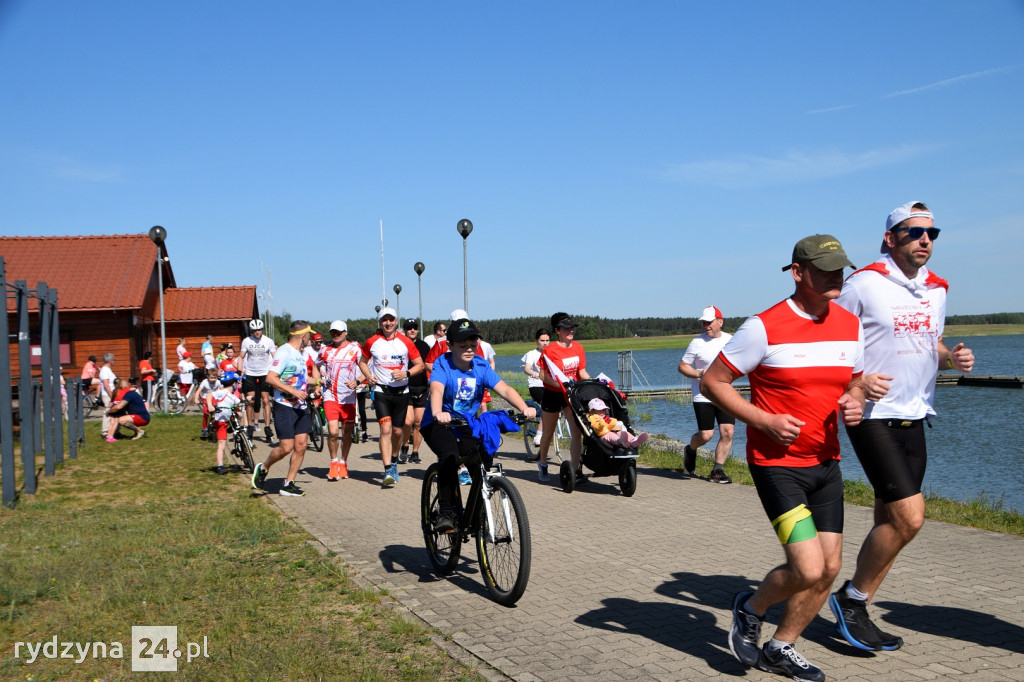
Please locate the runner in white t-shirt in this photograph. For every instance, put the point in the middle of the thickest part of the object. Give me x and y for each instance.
(531, 367)
(902, 305)
(699, 355)
(291, 383)
(254, 363)
(341, 378)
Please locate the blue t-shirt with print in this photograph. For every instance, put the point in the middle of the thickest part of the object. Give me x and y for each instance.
(463, 390)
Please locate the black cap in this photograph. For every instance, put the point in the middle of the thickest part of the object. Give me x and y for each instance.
(411, 323)
(460, 330)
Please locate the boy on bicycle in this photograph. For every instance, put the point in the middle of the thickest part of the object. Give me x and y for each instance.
(457, 386)
(219, 403)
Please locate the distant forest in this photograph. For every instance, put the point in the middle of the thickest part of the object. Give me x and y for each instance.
(519, 329)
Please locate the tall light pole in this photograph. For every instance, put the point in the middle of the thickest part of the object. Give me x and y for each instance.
(464, 227)
(158, 235)
(419, 268)
(398, 301)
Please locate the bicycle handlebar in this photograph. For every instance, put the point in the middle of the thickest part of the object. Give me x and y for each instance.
(517, 417)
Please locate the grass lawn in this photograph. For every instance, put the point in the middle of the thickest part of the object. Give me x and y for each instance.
(142, 533)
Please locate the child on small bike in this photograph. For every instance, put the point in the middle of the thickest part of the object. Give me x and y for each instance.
(457, 386)
(209, 385)
(219, 403)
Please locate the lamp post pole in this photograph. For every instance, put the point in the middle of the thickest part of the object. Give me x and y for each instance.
(465, 227)
(158, 235)
(419, 268)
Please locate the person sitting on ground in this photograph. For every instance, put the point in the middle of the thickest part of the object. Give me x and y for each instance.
(129, 411)
(609, 429)
(219, 403)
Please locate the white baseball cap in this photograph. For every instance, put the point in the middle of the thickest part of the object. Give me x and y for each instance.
(901, 213)
(384, 312)
(339, 326)
(459, 314)
(709, 314)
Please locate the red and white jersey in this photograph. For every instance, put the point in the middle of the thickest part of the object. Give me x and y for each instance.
(800, 365)
(387, 356)
(701, 352)
(341, 365)
(903, 321)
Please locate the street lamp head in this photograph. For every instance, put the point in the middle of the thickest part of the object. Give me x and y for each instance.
(464, 227)
(419, 268)
(158, 234)
(398, 289)
(376, 308)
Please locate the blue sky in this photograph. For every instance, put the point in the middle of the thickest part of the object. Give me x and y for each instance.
(616, 159)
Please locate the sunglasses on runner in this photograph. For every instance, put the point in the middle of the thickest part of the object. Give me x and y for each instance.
(915, 233)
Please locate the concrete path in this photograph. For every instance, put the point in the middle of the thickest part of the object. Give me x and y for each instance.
(642, 587)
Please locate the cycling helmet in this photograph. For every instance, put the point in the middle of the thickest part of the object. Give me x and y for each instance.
(228, 377)
(256, 324)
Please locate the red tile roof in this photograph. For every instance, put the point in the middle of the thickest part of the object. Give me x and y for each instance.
(110, 272)
(209, 303)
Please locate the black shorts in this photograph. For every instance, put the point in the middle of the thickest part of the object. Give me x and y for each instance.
(537, 394)
(390, 406)
(289, 422)
(253, 384)
(800, 501)
(553, 401)
(708, 413)
(893, 455)
(418, 396)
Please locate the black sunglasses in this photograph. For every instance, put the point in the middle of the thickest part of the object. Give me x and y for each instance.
(915, 232)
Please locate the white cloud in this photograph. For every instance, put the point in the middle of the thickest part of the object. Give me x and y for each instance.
(827, 110)
(748, 171)
(956, 80)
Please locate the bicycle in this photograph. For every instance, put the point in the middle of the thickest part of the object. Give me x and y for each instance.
(175, 400)
(241, 446)
(91, 400)
(558, 443)
(318, 425)
(494, 514)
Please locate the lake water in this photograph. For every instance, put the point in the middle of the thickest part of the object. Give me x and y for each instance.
(972, 445)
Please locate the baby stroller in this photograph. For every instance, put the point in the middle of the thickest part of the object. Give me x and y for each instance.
(601, 457)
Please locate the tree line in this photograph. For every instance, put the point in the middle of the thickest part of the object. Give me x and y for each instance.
(523, 329)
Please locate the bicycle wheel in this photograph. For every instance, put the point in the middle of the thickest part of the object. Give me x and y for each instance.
(243, 450)
(561, 440)
(175, 401)
(444, 549)
(530, 430)
(503, 543)
(316, 433)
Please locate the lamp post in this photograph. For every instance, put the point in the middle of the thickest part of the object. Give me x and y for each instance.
(158, 235)
(419, 268)
(464, 227)
(398, 301)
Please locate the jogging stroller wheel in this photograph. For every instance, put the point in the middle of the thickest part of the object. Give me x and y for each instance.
(567, 477)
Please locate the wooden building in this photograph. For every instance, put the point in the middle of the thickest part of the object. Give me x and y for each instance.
(108, 300)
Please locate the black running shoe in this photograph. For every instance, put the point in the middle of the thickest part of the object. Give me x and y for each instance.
(291, 490)
(221, 470)
(403, 454)
(259, 477)
(414, 458)
(366, 436)
(745, 633)
(719, 476)
(787, 661)
(445, 522)
(268, 433)
(249, 431)
(581, 477)
(855, 626)
(690, 462)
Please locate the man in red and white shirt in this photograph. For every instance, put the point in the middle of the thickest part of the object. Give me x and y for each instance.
(902, 305)
(804, 358)
(341, 372)
(389, 359)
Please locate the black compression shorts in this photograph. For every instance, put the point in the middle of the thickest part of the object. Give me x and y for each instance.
(893, 455)
(800, 501)
(708, 413)
(390, 407)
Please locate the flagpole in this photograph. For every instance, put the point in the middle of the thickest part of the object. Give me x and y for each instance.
(383, 286)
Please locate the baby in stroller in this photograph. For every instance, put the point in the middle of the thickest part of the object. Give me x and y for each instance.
(609, 429)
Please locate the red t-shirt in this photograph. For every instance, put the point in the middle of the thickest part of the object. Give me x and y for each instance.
(569, 360)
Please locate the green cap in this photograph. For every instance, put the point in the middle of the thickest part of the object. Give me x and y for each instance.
(823, 250)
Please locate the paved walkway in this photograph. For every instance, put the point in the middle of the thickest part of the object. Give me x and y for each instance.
(641, 587)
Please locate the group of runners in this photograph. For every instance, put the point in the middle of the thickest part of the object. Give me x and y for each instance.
(863, 350)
